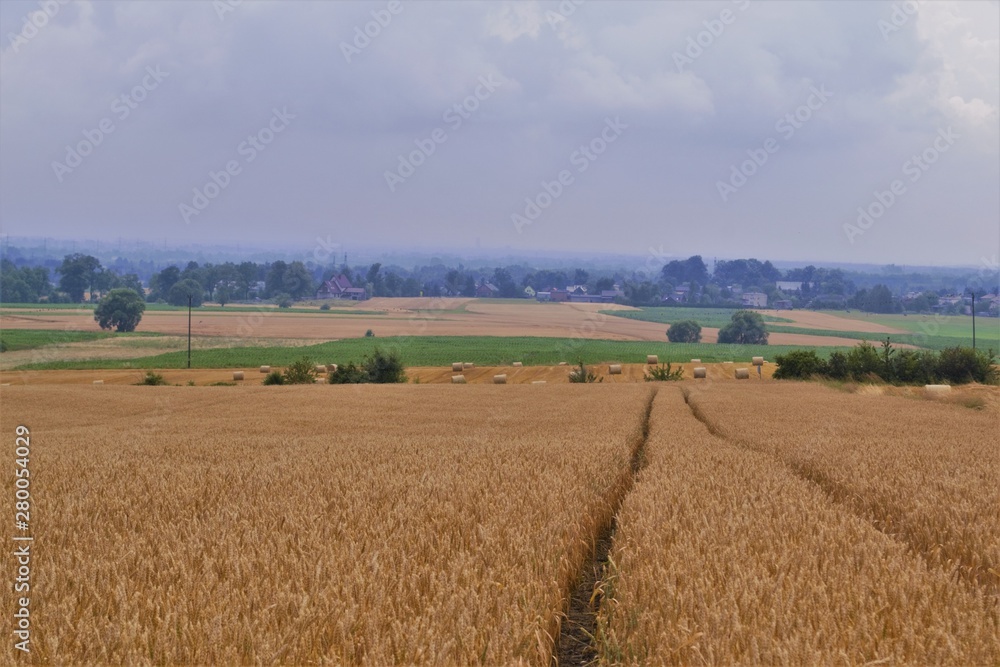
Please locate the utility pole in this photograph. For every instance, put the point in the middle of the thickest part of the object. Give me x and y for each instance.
(189, 331)
(973, 293)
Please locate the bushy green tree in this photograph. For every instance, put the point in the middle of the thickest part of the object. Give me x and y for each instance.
(302, 371)
(799, 365)
(685, 331)
(745, 328)
(120, 309)
(184, 289)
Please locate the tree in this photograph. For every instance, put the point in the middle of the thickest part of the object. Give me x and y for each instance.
(745, 328)
(120, 309)
(184, 289)
(879, 300)
(297, 281)
(580, 277)
(603, 284)
(223, 295)
(77, 275)
(685, 331)
(161, 283)
(274, 281)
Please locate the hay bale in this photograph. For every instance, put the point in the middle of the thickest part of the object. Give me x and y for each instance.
(700, 372)
(265, 369)
(321, 368)
(652, 359)
(696, 361)
(615, 369)
(742, 373)
(320, 380)
(467, 365)
(727, 362)
(538, 382)
(936, 390)
(331, 368)
(758, 361)
(98, 381)
(237, 375)
(518, 364)
(457, 367)
(562, 363)
(458, 379)
(500, 379)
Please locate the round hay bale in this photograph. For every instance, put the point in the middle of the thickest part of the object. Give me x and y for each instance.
(331, 368)
(98, 381)
(538, 382)
(457, 367)
(700, 372)
(758, 361)
(458, 379)
(467, 365)
(742, 373)
(652, 359)
(562, 363)
(696, 361)
(727, 362)
(321, 368)
(615, 369)
(500, 379)
(320, 380)
(518, 364)
(935, 390)
(237, 375)
(265, 369)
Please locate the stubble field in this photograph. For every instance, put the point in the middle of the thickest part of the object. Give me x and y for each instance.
(747, 523)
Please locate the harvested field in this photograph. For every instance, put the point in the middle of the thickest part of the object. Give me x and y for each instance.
(393, 525)
(725, 555)
(808, 319)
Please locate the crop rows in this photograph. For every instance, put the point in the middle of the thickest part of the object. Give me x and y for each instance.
(723, 555)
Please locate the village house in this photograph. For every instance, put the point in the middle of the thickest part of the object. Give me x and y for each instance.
(340, 288)
(755, 299)
(487, 291)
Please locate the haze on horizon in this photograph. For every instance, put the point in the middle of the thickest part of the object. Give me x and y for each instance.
(731, 128)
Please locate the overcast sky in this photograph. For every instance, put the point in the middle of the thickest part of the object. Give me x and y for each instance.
(850, 131)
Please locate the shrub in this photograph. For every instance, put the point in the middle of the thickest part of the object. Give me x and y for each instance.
(959, 365)
(3, 346)
(836, 366)
(325, 306)
(152, 379)
(799, 365)
(283, 300)
(369, 334)
(745, 328)
(685, 331)
(915, 367)
(664, 373)
(384, 368)
(582, 374)
(348, 374)
(274, 377)
(302, 371)
(863, 361)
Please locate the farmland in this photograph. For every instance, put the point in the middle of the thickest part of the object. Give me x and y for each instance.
(448, 524)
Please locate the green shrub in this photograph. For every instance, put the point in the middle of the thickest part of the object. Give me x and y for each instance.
(745, 328)
(369, 334)
(836, 366)
(283, 300)
(863, 361)
(274, 377)
(384, 368)
(685, 331)
(959, 365)
(664, 373)
(348, 374)
(915, 367)
(302, 371)
(582, 374)
(325, 306)
(3, 346)
(152, 379)
(799, 365)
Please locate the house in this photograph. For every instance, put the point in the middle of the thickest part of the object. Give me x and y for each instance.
(789, 286)
(558, 295)
(583, 297)
(783, 304)
(682, 292)
(755, 299)
(487, 291)
(543, 295)
(340, 288)
(612, 294)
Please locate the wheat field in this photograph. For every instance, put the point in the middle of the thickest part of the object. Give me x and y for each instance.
(724, 555)
(374, 525)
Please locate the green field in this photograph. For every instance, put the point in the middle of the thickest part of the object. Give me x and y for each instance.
(29, 339)
(443, 350)
(934, 331)
(715, 318)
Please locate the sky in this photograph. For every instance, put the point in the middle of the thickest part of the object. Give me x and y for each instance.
(849, 131)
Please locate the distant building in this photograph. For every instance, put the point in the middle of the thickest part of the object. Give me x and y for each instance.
(789, 286)
(558, 295)
(755, 299)
(487, 291)
(340, 288)
(543, 295)
(783, 304)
